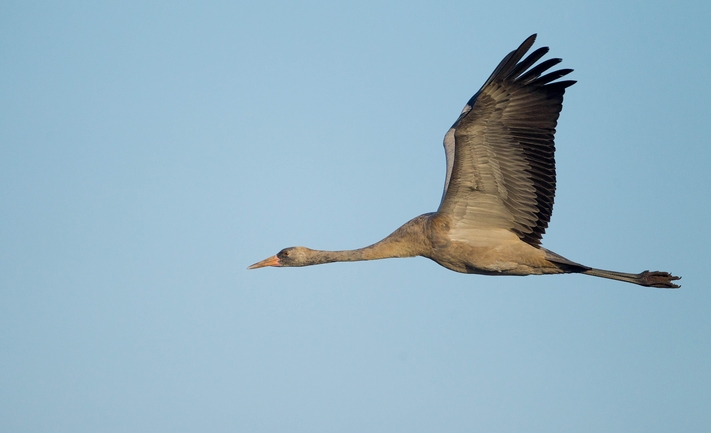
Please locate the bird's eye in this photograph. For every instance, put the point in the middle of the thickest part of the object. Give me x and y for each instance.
(285, 253)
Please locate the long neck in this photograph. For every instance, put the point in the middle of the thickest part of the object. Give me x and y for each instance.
(407, 241)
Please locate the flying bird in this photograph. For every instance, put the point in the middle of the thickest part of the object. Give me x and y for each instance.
(499, 187)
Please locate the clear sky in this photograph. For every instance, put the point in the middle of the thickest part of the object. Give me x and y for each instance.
(151, 151)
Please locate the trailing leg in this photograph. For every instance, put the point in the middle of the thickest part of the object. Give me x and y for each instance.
(658, 279)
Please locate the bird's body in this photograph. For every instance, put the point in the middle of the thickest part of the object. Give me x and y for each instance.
(499, 187)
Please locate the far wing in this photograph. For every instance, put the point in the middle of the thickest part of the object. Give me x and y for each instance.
(500, 151)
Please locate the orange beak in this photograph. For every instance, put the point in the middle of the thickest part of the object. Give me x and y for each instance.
(271, 261)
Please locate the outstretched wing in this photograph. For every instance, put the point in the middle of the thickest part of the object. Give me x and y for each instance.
(500, 151)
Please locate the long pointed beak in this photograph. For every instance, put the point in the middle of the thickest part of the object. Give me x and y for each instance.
(271, 261)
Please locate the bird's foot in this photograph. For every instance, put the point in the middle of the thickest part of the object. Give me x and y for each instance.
(658, 279)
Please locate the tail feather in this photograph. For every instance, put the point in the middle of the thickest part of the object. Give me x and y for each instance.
(658, 279)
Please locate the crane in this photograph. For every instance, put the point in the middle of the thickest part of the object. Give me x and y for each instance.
(499, 186)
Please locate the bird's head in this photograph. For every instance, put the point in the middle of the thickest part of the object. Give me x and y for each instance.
(292, 256)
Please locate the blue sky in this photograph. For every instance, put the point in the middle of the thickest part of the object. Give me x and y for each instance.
(151, 151)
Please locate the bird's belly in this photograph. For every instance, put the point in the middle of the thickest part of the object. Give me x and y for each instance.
(517, 258)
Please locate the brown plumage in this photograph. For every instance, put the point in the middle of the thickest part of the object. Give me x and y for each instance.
(499, 187)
